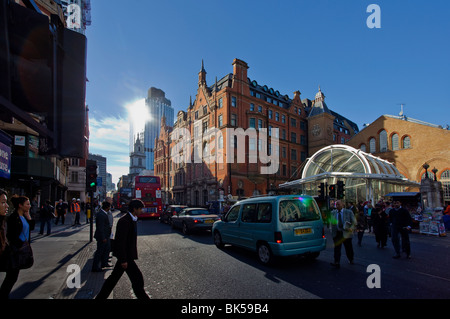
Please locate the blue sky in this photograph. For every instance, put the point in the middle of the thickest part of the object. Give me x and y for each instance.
(288, 45)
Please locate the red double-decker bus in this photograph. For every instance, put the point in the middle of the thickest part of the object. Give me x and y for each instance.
(148, 190)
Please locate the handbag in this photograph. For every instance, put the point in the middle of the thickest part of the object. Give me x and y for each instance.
(22, 257)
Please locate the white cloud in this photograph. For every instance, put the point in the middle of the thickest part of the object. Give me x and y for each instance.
(109, 137)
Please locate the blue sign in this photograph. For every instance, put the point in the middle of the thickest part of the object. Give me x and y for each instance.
(5, 161)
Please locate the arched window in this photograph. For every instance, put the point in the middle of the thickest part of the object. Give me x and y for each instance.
(394, 142)
(372, 145)
(406, 142)
(445, 180)
(363, 147)
(383, 141)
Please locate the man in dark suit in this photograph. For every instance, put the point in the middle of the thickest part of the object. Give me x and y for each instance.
(401, 226)
(125, 249)
(102, 235)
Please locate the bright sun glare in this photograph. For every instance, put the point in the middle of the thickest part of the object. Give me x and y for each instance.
(138, 114)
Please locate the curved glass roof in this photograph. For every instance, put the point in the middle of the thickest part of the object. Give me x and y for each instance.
(343, 161)
(344, 158)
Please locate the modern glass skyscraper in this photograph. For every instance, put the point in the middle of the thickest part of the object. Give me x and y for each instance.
(158, 106)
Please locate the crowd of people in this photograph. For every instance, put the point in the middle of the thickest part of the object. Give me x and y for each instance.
(385, 219)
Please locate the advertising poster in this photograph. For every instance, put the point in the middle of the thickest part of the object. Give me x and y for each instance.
(5, 161)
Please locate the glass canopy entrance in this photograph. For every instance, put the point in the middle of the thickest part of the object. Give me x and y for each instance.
(365, 176)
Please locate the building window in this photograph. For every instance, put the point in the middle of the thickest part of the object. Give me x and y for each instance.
(303, 156)
(372, 145)
(445, 180)
(284, 170)
(406, 142)
(363, 147)
(233, 120)
(302, 139)
(252, 107)
(259, 108)
(277, 116)
(283, 118)
(293, 154)
(293, 122)
(252, 123)
(233, 101)
(196, 115)
(270, 114)
(74, 177)
(251, 144)
(342, 140)
(383, 141)
(303, 125)
(205, 127)
(283, 134)
(394, 142)
(220, 103)
(260, 123)
(293, 137)
(220, 120)
(283, 152)
(220, 142)
(205, 110)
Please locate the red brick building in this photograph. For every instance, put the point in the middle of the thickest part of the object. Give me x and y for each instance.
(235, 101)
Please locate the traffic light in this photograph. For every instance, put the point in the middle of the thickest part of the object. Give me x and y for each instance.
(332, 191)
(91, 176)
(322, 191)
(340, 189)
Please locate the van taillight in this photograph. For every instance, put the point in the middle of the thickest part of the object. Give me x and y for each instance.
(323, 232)
(278, 237)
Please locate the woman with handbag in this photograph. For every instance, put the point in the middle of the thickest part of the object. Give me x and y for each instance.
(19, 226)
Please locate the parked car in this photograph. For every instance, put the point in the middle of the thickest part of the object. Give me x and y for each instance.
(171, 210)
(190, 219)
(272, 226)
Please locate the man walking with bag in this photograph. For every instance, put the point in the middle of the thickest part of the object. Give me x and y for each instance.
(125, 249)
(342, 226)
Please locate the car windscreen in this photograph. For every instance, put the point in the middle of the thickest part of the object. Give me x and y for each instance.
(298, 210)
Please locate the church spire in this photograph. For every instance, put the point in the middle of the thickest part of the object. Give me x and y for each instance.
(202, 75)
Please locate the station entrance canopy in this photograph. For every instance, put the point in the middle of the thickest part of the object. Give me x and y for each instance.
(365, 176)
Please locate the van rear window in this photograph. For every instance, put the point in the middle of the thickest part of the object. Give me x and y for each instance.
(298, 210)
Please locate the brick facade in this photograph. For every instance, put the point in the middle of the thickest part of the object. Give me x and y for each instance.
(408, 144)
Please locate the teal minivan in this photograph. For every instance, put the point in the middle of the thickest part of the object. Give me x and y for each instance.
(283, 225)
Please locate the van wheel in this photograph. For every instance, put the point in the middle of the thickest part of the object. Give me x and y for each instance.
(265, 255)
(218, 240)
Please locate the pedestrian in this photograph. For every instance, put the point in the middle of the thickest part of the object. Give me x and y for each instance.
(380, 225)
(19, 225)
(3, 241)
(102, 235)
(401, 225)
(342, 226)
(46, 214)
(361, 225)
(368, 213)
(61, 210)
(75, 209)
(125, 249)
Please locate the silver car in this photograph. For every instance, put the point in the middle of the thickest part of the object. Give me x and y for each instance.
(190, 219)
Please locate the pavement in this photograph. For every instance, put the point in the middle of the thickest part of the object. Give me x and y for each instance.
(62, 264)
